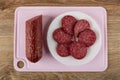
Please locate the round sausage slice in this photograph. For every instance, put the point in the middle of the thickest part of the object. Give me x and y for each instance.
(78, 50)
(80, 26)
(63, 50)
(88, 37)
(61, 37)
(68, 23)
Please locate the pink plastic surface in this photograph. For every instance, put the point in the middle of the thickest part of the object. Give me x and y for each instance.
(48, 63)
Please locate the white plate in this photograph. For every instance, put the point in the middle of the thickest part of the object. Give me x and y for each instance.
(92, 51)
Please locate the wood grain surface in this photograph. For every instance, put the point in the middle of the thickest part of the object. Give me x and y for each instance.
(7, 72)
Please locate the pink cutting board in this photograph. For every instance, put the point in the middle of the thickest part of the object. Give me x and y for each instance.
(48, 63)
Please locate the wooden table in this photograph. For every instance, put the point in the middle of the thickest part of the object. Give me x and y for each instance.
(7, 72)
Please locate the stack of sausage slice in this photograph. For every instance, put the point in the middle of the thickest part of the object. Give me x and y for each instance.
(74, 37)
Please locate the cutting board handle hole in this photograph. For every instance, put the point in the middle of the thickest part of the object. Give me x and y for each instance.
(20, 64)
